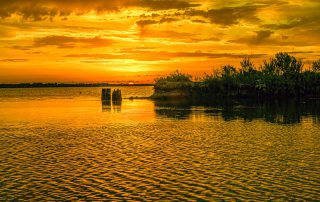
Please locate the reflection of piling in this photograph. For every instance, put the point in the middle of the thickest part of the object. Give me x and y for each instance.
(116, 105)
(106, 105)
(106, 94)
(116, 95)
(106, 98)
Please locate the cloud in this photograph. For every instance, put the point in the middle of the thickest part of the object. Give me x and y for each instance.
(13, 60)
(301, 52)
(268, 38)
(39, 10)
(176, 36)
(288, 25)
(295, 23)
(21, 47)
(184, 36)
(260, 37)
(297, 16)
(232, 15)
(164, 4)
(146, 55)
(71, 42)
(143, 23)
(228, 15)
(199, 21)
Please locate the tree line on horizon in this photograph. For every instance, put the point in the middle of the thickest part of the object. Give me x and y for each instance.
(281, 75)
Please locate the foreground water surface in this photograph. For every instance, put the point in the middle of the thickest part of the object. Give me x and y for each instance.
(65, 144)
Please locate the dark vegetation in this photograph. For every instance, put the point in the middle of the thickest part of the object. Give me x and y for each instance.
(281, 76)
(174, 85)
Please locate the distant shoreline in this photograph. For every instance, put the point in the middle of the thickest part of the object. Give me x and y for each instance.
(64, 85)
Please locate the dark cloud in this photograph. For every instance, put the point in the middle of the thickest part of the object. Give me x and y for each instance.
(13, 60)
(298, 17)
(288, 25)
(228, 15)
(164, 4)
(199, 21)
(38, 9)
(144, 55)
(266, 38)
(260, 37)
(285, 37)
(168, 20)
(232, 15)
(21, 47)
(143, 23)
(71, 42)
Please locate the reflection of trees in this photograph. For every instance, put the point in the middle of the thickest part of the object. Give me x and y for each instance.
(178, 108)
(288, 111)
(285, 111)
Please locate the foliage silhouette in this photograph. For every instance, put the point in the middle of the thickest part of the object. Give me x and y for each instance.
(281, 76)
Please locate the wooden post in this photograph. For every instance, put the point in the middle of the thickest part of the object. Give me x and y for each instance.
(116, 95)
(106, 94)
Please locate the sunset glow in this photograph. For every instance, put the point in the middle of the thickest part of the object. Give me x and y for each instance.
(138, 40)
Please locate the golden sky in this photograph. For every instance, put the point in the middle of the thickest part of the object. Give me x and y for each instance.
(137, 40)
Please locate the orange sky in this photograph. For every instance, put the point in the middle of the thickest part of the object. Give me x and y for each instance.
(137, 40)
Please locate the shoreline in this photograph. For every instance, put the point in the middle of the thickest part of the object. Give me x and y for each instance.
(50, 85)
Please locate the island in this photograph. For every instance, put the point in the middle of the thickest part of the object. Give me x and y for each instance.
(282, 76)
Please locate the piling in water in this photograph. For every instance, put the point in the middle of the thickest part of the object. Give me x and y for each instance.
(116, 95)
(106, 94)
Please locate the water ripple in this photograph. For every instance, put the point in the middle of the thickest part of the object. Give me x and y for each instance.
(158, 161)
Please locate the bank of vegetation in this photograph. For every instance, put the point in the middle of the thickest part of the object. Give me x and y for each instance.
(281, 76)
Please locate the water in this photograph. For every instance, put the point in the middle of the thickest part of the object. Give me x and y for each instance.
(60, 144)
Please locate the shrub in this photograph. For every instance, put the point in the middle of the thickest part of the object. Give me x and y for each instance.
(247, 65)
(316, 66)
(288, 65)
(175, 80)
(175, 77)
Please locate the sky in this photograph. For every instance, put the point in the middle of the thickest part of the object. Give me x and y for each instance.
(123, 41)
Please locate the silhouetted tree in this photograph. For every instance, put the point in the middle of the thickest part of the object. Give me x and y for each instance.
(288, 65)
(316, 65)
(247, 65)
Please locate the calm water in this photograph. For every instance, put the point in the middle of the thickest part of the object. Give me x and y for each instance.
(60, 144)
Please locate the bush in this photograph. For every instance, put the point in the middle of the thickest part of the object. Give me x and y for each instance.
(175, 80)
(288, 65)
(316, 66)
(175, 77)
(247, 65)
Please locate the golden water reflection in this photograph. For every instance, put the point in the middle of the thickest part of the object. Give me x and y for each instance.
(79, 148)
